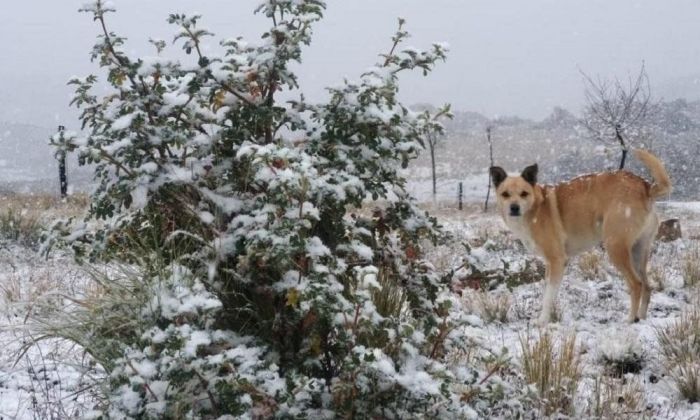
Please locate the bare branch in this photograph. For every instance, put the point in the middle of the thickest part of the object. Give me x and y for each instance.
(619, 112)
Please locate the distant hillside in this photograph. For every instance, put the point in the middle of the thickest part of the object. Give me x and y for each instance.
(557, 143)
(562, 147)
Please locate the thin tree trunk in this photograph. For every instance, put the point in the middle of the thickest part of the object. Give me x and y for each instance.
(488, 191)
(432, 163)
(624, 157)
(618, 135)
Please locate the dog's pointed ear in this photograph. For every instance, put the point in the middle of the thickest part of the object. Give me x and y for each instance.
(530, 174)
(497, 175)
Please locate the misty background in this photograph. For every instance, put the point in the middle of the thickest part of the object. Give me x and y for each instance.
(513, 62)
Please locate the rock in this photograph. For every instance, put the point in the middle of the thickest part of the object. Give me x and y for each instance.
(669, 230)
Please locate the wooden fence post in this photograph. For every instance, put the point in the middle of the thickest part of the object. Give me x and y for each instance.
(460, 195)
(62, 178)
(488, 191)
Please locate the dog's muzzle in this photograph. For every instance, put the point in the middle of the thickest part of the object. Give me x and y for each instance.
(514, 210)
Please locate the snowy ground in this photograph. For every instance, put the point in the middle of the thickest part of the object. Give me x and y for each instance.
(49, 380)
(52, 379)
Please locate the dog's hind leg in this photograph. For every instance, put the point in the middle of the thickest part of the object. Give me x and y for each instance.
(554, 274)
(641, 252)
(640, 257)
(621, 256)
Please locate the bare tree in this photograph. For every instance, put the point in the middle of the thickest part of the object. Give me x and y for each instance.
(434, 134)
(489, 129)
(619, 112)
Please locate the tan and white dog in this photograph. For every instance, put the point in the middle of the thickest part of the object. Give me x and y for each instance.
(560, 221)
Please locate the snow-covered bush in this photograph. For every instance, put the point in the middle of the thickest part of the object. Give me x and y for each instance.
(489, 267)
(305, 291)
(182, 353)
(621, 352)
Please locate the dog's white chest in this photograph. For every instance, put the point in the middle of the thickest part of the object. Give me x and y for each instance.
(522, 232)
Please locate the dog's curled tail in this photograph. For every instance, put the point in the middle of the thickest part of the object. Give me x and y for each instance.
(662, 183)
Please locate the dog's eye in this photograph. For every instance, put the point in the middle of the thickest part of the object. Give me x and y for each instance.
(524, 194)
(505, 195)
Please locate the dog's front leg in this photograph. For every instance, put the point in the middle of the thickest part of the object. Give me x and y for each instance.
(554, 273)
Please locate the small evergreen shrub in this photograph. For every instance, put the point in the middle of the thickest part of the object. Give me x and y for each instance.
(259, 291)
(621, 353)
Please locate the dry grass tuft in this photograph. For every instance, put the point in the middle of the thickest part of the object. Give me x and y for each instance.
(44, 202)
(590, 265)
(40, 291)
(687, 378)
(492, 307)
(16, 289)
(690, 265)
(614, 399)
(24, 216)
(554, 368)
(20, 225)
(679, 344)
(657, 276)
(46, 207)
(390, 298)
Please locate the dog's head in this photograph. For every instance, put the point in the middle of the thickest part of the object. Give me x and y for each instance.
(515, 194)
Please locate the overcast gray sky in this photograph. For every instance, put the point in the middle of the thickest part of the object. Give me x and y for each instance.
(507, 56)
